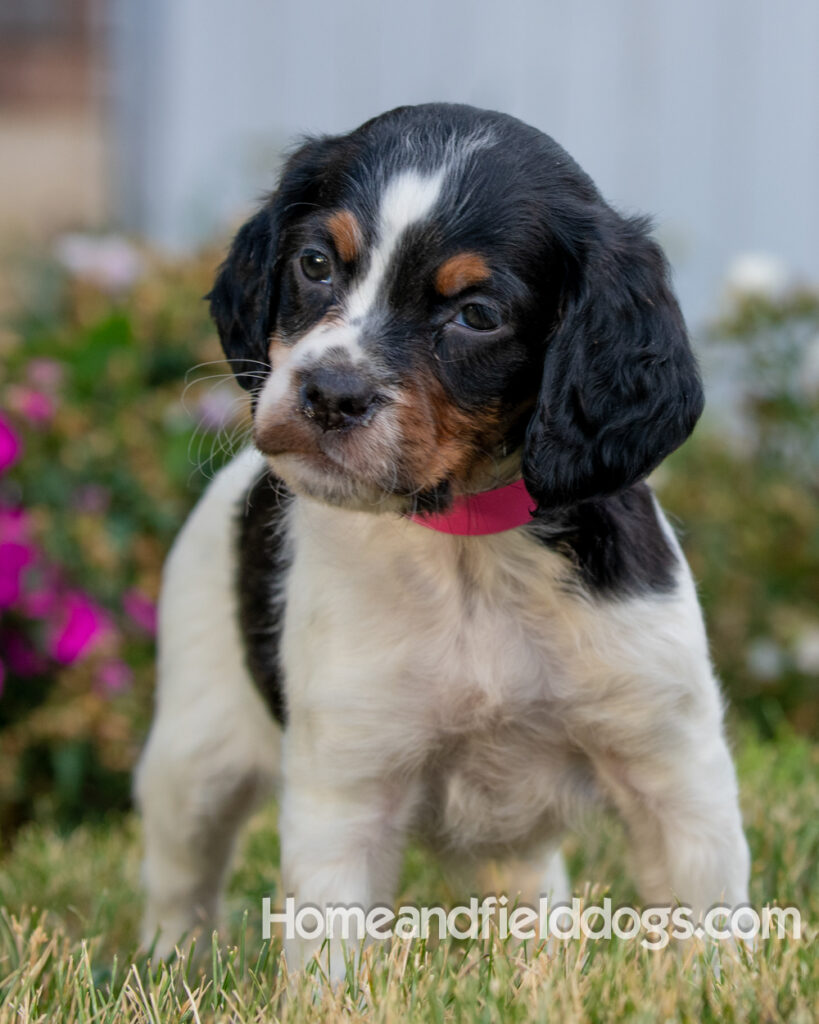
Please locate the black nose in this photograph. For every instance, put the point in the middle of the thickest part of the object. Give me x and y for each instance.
(337, 397)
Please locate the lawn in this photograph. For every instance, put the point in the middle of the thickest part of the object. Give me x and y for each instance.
(67, 934)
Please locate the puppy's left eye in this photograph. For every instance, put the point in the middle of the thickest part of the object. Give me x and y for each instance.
(479, 317)
(316, 266)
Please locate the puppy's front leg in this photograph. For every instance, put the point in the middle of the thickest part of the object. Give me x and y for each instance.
(342, 839)
(684, 823)
(651, 719)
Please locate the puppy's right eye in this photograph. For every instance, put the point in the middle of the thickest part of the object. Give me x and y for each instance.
(477, 316)
(316, 266)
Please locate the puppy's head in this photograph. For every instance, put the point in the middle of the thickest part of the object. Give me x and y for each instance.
(441, 302)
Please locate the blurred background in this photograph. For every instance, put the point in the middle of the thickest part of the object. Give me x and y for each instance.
(135, 135)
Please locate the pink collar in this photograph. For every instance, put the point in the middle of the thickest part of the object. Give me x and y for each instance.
(475, 515)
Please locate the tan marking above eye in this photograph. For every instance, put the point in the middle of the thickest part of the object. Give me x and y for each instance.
(461, 271)
(346, 234)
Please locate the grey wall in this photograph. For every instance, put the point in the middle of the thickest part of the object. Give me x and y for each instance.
(704, 113)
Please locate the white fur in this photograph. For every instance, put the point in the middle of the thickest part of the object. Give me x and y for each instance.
(408, 199)
(213, 751)
(435, 684)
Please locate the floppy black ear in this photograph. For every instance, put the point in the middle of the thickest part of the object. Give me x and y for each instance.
(621, 388)
(244, 296)
(241, 300)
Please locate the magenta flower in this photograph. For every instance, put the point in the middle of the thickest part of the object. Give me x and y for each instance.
(141, 610)
(83, 627)
(14, 558)
(10, 444)
(35, 406)
(115, 676)
(14, 525)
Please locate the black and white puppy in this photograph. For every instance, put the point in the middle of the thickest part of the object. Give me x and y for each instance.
(434, 306)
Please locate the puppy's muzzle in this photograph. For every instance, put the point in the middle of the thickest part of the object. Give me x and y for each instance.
(338, 398)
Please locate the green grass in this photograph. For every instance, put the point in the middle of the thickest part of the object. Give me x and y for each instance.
(71, 907)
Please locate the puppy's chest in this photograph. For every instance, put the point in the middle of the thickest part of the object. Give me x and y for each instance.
(479, 660)
(488, 678)
(448, 662)
(452, 636)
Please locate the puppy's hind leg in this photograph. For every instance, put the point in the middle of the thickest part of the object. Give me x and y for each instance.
(213, 750)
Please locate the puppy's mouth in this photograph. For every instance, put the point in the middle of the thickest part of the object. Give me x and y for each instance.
(354, 467)
(331, 474)
(337, 451)
(399, 458)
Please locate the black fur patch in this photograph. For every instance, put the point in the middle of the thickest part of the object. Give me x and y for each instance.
(616, 544)
(261, 559)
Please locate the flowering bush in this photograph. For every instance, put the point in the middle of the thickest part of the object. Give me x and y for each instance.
(99, 461)
(746, 492)
(108, 434)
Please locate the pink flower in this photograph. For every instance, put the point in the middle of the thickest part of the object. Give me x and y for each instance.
(83, 627)
(141, 610)
(14, 557)
(14, 525)
(45, 374)
(115, 676)
(35, 406)
(218, 408)
(10, 445)
(110, 262)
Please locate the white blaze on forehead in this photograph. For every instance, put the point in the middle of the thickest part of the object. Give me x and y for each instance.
(407, 199)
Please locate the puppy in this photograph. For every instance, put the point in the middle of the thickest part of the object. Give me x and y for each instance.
(437, 598)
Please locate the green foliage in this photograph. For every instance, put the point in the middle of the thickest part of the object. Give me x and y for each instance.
(747, 504)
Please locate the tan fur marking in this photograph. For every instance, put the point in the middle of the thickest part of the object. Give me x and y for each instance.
(439, 440)
(461, 271)
(346, 234)
(276, 351)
